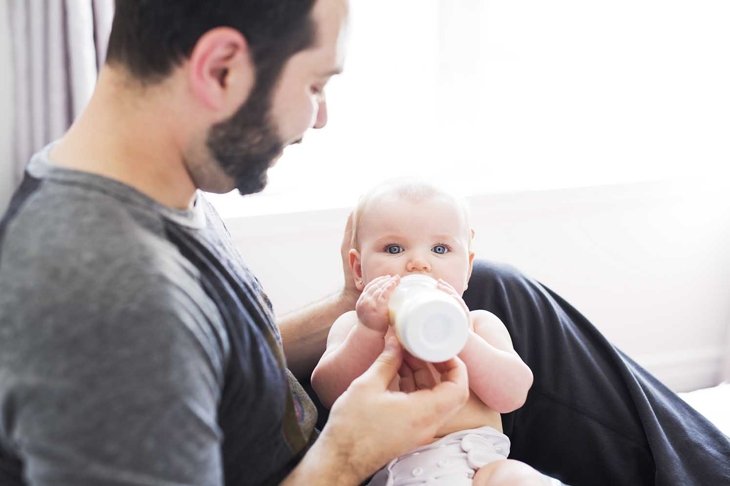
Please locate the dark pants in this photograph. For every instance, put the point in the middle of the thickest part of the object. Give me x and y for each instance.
(593, 416)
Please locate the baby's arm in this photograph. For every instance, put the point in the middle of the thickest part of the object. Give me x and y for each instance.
(497, 375)
(351, 349)
(355, 340)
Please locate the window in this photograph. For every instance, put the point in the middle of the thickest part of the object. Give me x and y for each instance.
(506, 95)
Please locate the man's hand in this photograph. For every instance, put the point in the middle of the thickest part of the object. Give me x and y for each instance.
(416, 374)
(349, 291)
(370, 425)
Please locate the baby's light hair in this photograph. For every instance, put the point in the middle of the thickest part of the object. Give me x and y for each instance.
(409, 188)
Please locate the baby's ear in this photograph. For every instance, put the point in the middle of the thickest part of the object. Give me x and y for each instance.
(356, 268)
(471, 261)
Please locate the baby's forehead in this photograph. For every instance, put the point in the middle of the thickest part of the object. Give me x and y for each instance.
(404, 193)
(390, 210)
(387, 203)
(398, 204)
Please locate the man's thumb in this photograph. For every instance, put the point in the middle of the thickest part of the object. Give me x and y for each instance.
(386, 365)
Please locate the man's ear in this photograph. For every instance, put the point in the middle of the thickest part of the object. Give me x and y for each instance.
(221, 73)
(356, 267)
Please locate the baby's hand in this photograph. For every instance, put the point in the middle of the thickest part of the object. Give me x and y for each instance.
(372, 306)
(444, 286)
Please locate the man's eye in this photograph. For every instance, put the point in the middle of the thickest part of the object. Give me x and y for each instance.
(440, 249)
(318, 92)
(393, 249)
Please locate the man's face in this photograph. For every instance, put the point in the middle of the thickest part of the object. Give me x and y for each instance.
(245, 145)
(273, 117)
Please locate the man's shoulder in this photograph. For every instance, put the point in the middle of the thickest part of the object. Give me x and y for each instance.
(77, 229)
(70, 213)
(83, 245)
(94, 265)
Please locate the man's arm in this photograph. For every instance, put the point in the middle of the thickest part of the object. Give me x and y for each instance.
(304, 332)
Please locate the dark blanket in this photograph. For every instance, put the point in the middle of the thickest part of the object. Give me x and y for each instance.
(593, 416)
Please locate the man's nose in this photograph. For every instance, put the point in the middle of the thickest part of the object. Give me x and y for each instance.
(321, 120)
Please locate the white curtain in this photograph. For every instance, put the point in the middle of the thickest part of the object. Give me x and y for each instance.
(57, 48)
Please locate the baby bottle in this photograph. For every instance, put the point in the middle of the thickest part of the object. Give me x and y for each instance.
(429, 323)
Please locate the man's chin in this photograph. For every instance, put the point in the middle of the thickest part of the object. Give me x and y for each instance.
(253, 179)
(225, 185)
(251, 186)
(218, 186)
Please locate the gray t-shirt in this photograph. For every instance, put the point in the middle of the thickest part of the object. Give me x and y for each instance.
(135, 345)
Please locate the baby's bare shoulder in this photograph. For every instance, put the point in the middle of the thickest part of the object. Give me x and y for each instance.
(490, 328)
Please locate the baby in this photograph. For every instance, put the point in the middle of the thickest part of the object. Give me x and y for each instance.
(403, 228)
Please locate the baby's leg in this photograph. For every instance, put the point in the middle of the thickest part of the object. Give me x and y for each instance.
(508, 472)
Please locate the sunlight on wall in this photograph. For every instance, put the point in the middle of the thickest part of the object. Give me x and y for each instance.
(506, 95)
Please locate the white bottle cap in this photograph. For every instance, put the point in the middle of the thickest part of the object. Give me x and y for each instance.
(429, 323)
(435, 330)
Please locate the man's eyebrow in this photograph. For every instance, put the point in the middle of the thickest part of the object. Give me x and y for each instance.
(331, 72)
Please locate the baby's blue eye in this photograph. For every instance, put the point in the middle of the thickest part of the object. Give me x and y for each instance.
(440, 249)
(393, 249)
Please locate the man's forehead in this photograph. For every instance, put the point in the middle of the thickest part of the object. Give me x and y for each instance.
(331, 20)
(329, 10)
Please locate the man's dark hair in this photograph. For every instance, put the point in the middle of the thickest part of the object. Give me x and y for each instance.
(150, 37)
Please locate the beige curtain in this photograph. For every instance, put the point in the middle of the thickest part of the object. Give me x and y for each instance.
(57, 48)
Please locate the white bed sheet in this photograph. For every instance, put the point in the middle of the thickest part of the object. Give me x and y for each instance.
(713, 403)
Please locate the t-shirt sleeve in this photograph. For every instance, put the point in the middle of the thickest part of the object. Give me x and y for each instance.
(119, 391)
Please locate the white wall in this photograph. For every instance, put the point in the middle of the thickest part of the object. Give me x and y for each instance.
(7, 176)
(648, 263)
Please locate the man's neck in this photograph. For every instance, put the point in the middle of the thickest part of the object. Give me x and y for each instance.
(131, 135)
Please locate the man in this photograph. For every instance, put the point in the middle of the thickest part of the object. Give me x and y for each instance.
(136, 348)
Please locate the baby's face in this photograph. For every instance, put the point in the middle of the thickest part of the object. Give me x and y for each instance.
(399, 236)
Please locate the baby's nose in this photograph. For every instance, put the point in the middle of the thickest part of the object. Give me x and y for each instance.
(418, 264)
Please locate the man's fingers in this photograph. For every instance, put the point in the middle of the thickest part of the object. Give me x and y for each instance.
(407, 383)
(422, 375)
(445, 367)
(445, 397)
(347, 242)
(385, 367)
(434, 406)
(453, 391)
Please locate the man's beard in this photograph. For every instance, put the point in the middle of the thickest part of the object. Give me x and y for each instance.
(246, 144)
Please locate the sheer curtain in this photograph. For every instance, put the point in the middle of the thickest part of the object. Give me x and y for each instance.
(57, 48)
